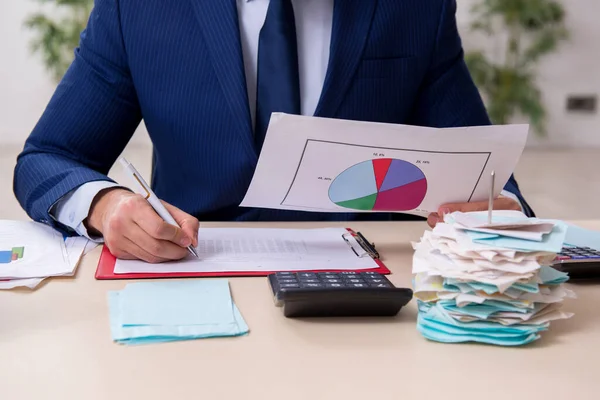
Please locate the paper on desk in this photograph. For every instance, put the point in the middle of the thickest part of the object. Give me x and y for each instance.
(74, 247)
(176, 303)
(578, 236)
(502, 220)
(37, 251)
(436, 323)
(552, 243)
(334, 165)
(30, 283)
(153, 312)
(459, 243)
(264, 249)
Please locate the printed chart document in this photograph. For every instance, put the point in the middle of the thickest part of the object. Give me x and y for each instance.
(31, 250)
(332, 165)
(264, 249)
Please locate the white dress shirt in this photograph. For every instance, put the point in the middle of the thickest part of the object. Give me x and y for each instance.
(313, 30)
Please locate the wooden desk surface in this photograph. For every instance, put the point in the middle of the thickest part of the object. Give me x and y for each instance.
(55, 344)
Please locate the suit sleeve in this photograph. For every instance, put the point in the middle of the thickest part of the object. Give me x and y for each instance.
(87, 123)
(449, 97)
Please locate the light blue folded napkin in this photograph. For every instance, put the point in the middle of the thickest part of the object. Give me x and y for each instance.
(435, 324)
(153, 312)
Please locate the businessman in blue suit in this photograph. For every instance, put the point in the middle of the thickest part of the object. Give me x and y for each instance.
(205, 75)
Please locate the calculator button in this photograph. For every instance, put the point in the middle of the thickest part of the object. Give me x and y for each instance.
(289, 285)
(309, 275)
(332, 280)
(348, 273)
(288, 281)
(359, 284)
(579, 257)
(335, 285)
(282, 274)
(370, 273)
(381, 285)
(328, 276)
(312, 285)
(355, 280)
(310, 281)
(377, 280)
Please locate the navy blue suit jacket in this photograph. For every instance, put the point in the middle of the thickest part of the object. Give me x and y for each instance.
(178, 65)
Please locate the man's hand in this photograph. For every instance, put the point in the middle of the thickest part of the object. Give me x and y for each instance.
(133, 230)
(501, 203)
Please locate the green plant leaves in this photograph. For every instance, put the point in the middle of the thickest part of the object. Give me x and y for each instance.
(535, 28)
(55, 39)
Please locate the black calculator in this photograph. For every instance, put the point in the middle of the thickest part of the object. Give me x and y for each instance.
(337, 294)
(579, 262)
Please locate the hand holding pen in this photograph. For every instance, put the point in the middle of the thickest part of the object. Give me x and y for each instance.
(133, 228)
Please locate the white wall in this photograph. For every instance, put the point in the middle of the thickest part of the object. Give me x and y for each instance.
(574, 69)
(25, 87)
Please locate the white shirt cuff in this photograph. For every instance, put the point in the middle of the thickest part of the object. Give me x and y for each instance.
(72, 209)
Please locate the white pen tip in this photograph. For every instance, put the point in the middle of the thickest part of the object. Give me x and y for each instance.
(124, 162)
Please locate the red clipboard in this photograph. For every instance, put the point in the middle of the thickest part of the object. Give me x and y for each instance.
(106, 267)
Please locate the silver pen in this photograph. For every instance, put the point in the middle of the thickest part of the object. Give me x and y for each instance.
(144, 189)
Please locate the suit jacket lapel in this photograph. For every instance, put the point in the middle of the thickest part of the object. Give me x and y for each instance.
(219, 23)
(351, 23)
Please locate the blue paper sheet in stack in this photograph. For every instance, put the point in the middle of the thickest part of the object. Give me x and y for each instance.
(164, 311)
(489, 283)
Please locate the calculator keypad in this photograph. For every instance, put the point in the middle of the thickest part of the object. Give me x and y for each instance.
(574, 254)
(331, 280)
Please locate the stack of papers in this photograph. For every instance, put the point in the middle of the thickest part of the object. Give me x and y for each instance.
(153, 312)
(31, 252)
(489, 283)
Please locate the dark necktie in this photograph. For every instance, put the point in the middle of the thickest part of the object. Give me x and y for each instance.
(278, 87)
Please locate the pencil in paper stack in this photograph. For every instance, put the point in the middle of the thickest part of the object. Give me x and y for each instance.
(491, 283)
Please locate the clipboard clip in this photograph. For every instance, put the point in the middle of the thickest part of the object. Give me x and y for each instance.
(368, 248)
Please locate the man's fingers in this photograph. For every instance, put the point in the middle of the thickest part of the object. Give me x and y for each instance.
(501, 203)
(162, 250)
(188, 223)
(463, 207)
(138, 252)
(433, 219)
(125, 249)
(147, 219)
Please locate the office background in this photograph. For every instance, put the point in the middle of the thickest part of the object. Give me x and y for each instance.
(559, 171)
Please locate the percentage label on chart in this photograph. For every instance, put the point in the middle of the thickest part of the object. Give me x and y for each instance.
(321, 178)
(422, 162)
(378, 155)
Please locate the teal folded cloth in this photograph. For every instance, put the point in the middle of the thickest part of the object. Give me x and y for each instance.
(435, 324)
(165, 311)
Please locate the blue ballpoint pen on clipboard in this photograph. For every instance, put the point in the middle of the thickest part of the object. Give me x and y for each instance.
(144, 189)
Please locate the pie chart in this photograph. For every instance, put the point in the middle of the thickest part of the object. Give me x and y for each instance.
(383, 184)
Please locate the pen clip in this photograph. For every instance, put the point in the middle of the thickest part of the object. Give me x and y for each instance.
(142, 186)
(137, 178)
